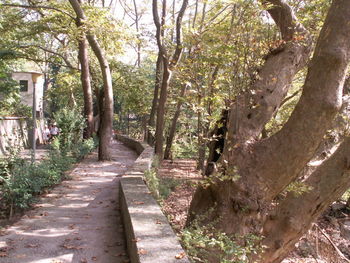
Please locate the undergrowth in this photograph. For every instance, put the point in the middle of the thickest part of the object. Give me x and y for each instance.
(204, 243)
(21, 181)
(161, 188)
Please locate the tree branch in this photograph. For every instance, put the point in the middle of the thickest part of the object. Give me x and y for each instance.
(39, 7)
(273, 80)
(69, 64)
(296, 213)
(42, 60)
(159, 27)
(320, 101)
(178, 50)
(284, 18)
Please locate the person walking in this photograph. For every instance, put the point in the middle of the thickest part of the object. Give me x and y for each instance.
(46, 135)
(54, 131)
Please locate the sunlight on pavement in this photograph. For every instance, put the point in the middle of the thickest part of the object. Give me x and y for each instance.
(62, 259)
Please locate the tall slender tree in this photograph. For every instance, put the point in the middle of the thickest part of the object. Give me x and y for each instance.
(105, 131)
(169, 64)
(83, 56)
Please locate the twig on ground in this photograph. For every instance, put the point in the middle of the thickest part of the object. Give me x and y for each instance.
(332, 243)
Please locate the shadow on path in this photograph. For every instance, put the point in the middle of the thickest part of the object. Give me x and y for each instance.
(78, 221)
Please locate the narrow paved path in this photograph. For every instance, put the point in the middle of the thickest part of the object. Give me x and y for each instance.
(78, 221)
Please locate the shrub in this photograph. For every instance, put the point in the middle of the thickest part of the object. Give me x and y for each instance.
(152, 182)
(83, 148)
(167, 185)
(71, 124)
(204, 243)
(21, 181)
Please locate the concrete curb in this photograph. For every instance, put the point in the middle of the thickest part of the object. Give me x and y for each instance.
(150, 239)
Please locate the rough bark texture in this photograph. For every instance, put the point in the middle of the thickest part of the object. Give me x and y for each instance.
(294, 215)
(261, 169)
(320, 101)
(105, 131)
(86, 84)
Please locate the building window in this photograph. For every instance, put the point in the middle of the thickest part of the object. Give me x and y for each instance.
(23, 84)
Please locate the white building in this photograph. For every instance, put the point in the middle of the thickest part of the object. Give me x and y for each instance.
(25, 81)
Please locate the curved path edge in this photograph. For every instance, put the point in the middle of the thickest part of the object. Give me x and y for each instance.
(150, 238)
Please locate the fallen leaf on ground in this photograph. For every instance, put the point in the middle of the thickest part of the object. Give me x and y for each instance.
(136, 239)
(138, 203)
(32, 245)
(3, 254)
(83, 260)
(181, 255)
(67, 246)
(142, 251)
(94, 258)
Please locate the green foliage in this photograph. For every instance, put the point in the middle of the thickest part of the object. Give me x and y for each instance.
(71, 124)
(132, 95)
(9, 93)
(83, 148)
(167, 185)
(205, 244)
(184, 147)
(65, 91)
(346, 196)
(21, 181)
(152, 182)
(230, 175)
(161, 188)
(298, 188)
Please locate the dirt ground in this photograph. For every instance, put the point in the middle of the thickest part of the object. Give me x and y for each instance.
(79, 221)
(322, 244)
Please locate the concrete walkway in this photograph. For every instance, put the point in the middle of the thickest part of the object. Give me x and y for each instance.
(41, 153)
(78, 221)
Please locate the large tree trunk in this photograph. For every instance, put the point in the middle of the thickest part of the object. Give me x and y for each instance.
(86, 84)
(255, 170)
(105, 131)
